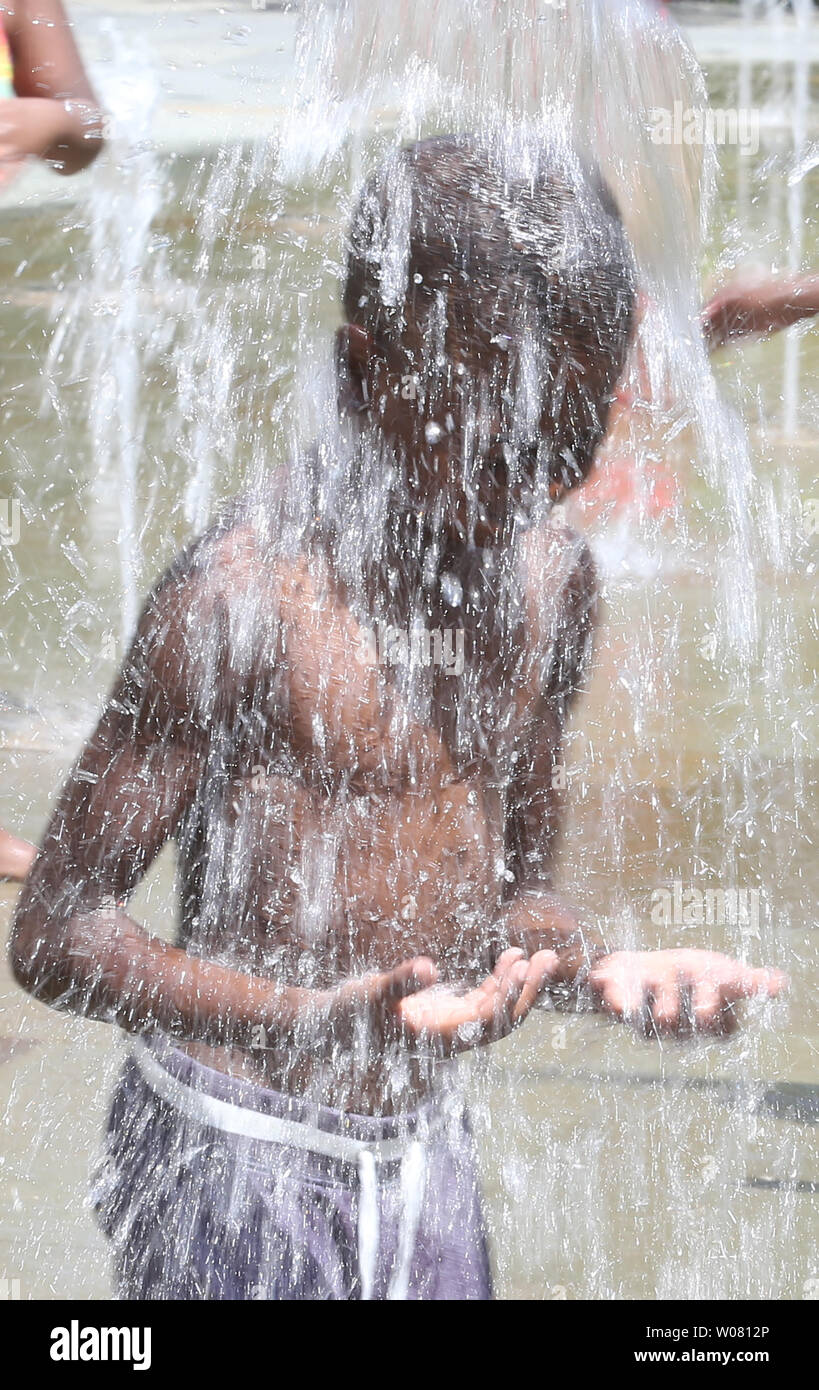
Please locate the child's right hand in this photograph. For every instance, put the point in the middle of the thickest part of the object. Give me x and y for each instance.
(448, 1022)
(374, 999)
(407, 1002)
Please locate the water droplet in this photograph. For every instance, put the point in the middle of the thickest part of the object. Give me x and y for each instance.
(451, 589)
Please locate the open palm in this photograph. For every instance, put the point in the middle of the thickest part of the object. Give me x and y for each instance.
(679, 991)
(457, 1021)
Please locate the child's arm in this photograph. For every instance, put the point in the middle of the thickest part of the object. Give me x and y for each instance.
(746, 308)
(55, 115)
(73, 944)
(536, 918)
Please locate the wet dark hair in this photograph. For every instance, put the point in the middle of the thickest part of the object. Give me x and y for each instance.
(494, 238)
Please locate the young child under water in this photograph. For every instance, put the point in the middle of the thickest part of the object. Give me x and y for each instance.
(365, 853)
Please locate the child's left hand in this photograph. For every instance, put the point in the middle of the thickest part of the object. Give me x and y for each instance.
(678, 991)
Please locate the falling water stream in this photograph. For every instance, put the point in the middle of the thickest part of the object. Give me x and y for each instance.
(186, 355)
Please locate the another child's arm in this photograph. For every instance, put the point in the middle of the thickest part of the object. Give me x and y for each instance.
(748, 308)
(55, 115)
(16, 856)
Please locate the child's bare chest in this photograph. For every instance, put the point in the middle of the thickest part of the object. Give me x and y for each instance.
(354, 810)
(360, 828)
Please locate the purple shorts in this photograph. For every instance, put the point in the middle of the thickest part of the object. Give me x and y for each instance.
(211, 1187)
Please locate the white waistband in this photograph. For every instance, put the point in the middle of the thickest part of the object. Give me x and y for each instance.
(253, 1124)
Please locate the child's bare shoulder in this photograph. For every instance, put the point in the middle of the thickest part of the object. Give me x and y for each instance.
(202, 625)
(232, 561)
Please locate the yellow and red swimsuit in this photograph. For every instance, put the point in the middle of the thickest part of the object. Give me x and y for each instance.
(6, 66)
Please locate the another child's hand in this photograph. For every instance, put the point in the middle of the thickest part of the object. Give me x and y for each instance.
(34, 127)
(678, 991)
(754, 305)
(10, 165)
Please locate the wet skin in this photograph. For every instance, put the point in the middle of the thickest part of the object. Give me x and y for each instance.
(359, 879)
(317, 752)
(16, 856)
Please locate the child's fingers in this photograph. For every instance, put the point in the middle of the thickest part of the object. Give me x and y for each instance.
(501, 1009)
(407, 978)
(707, 1005)
(761, 981)
(540, 971)
(503, 965)
(622, 996)
(665, 1007)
